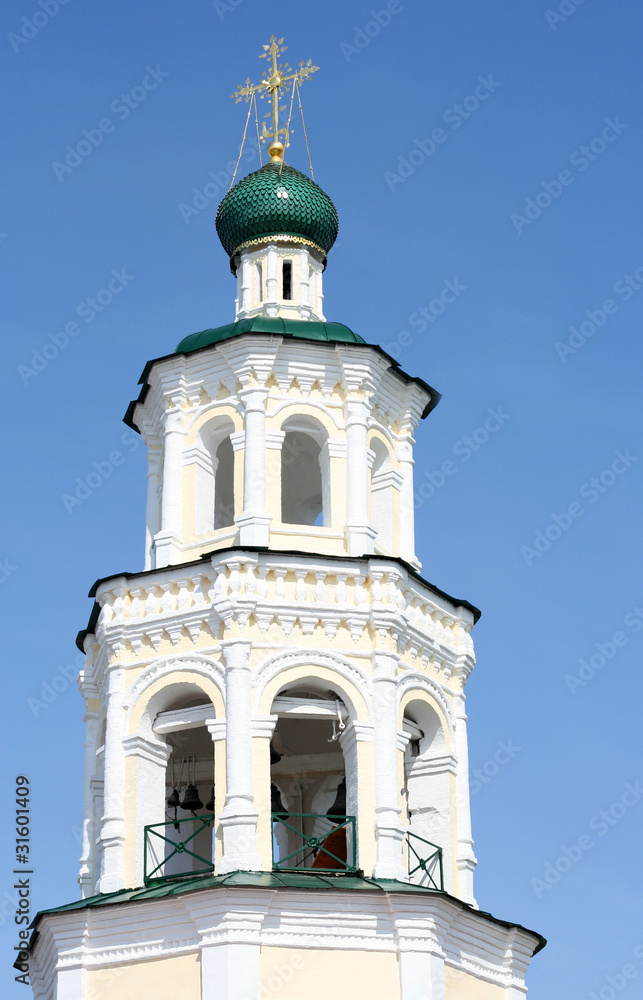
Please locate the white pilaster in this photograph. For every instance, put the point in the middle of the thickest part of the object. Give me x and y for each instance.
(272, 300)
(388, 827)
(151, 764)
(421, 976)
(71, 984)
(407, 506)
(85, 875)
(112, 834)
(231, 970)
(360, 532)
(244, 285)
(421, 950)
(230, 938)
(254, 522)
(152, 506)
(239, 817)
(168, 540)
(305, 305)
(465, 858)
(354, 733)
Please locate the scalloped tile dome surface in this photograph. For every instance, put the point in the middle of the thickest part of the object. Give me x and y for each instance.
(276, 199)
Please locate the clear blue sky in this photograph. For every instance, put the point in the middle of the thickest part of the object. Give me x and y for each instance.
(460, 215)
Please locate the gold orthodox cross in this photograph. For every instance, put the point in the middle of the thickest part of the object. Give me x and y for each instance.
(274, 79)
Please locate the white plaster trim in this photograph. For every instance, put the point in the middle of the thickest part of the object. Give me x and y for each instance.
(274, 440)
(425, 925)
(205, 666)
(183, 718)
(302, 657)
(421, 682)
(138, 746)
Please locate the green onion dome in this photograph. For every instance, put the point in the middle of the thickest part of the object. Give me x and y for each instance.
(277, 202)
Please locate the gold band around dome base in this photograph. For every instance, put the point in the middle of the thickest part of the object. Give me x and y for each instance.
(278, 238)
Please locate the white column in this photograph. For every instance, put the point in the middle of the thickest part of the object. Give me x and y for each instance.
(388, 826)
(244, 285)
(85, 877)
(360, 532)
(305, 304)
(254, 522)
(168, 540)
(272, 292)
(407, 508)
(238, 817)
(112, 834)
(465, 858)
(152, 506)
(319, 297)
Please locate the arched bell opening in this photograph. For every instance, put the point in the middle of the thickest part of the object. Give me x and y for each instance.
(213, 459)
(224, 485)
(428, 766)
(181, 843)
(308, 772)
(305, 474)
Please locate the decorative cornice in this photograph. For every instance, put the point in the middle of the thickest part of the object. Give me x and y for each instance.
(387, 922)
(278, 238)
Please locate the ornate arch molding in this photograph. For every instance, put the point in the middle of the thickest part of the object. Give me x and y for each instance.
(173, 666)
(353, 676)
(382, 434)
(214, 412)
(416, 682)
(303, 407)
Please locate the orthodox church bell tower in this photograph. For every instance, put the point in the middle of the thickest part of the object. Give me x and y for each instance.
(276, 795)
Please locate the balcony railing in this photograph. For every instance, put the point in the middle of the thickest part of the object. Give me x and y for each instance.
(428, 862)
(309, 842)
(169, 855)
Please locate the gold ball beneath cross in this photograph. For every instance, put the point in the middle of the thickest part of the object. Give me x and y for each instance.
(276, 150)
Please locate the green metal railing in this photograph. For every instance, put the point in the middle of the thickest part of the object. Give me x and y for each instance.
(160, 848)
(307, 848)
(430, 863)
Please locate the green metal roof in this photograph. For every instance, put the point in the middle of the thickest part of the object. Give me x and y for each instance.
(335, 333)
(277, 199)
(268, 880)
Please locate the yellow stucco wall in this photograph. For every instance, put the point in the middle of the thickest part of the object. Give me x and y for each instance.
(163, 979)
(317, 974)
(460, 986)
